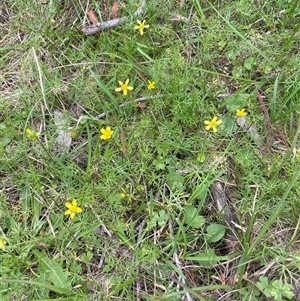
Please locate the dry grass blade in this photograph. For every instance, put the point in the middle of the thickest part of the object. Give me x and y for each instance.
(220, 199)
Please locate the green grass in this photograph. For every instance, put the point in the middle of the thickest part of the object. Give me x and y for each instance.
(166, 239)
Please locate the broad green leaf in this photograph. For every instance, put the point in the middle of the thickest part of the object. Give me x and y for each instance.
(200, 192)
(249, 63)
(43, 292)
(56, 274)
(192, 218)
(159, 163)
(4, 141)
(158, 218)
(87, 257)
(229, 125)
(287, 290)
(175, 180)
(263, 282)
(263, 285)
(234, 102)
(281, 289)
(201, 157)
(214, 233)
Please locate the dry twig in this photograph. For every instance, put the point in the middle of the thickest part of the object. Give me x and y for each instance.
(138, 100)
(92, 29)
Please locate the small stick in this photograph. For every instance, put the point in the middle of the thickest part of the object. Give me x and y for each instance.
(92, 29)
(141, 99)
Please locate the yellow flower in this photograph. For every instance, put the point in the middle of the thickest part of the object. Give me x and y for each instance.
(151, 85)
(106, 133)
(141, 26)
(124, 87)
(32, 134)
(240, 113)
(2, 244)
(72, 209)
(122, 195)
(212, 124)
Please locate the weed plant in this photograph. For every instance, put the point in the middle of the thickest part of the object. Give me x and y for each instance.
(112, 146)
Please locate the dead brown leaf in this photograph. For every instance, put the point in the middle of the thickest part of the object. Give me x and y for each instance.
(92, 17)
(115, 9)
(178, 18)
(123, 143)
(142, 105)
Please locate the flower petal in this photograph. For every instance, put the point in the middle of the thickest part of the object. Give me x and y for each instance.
(78, 210)
(68, 205)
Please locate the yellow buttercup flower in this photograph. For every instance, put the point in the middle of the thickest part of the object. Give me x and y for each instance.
(212, 124)
(124, 87)
(32, 134)
(106, 133)
(151, 85)
(240, 113)
(72, 209)
(141, 26)
(122, 195)
(2, 244)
